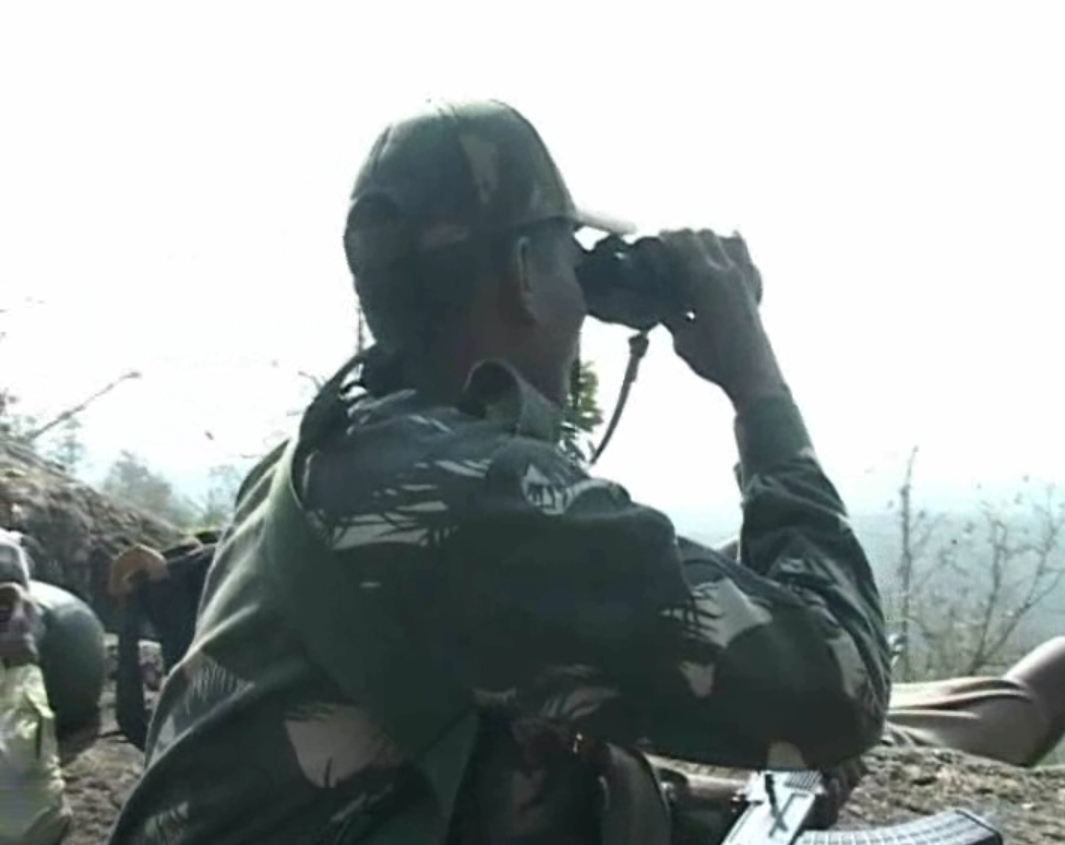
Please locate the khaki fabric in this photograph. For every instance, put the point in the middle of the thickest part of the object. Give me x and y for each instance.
(33, 809)
(989, 717)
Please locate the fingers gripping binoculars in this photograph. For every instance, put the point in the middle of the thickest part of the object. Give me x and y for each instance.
(640, 285)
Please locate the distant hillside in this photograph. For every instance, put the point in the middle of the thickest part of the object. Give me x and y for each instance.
(78, 529)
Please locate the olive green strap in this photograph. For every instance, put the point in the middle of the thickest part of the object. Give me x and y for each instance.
(430, 718)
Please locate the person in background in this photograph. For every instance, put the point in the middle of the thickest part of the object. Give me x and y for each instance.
(33, 805)
(15, 564)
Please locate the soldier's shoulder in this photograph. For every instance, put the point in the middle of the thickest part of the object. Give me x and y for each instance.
(397, 452)
(402, 459)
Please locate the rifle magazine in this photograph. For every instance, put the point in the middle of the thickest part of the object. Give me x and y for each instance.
(950, 827)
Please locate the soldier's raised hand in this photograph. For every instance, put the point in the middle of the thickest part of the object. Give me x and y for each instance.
(722, 337)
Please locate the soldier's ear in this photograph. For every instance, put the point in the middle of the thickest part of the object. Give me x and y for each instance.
(517, 282)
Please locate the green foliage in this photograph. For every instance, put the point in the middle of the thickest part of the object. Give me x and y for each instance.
(7, 401)
(130, 479)
(69, 450)
(582, 414)
(12, 423)
(217, 508)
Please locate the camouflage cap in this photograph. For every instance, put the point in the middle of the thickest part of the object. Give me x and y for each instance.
(456, 170)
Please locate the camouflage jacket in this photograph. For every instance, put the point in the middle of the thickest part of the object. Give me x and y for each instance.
(409, 620)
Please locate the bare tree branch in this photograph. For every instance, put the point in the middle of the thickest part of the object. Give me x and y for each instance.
(81, 406)
(962, 603)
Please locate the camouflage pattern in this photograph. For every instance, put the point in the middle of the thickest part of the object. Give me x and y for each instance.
(457, 170)
(415, 612)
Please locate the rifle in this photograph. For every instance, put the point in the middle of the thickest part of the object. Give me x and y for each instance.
(780, 808)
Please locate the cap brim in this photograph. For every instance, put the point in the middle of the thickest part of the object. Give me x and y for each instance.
(603, 222)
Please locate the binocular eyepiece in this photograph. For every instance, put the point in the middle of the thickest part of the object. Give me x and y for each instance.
(630, 284)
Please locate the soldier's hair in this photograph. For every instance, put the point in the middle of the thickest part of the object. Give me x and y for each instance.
(408, 300)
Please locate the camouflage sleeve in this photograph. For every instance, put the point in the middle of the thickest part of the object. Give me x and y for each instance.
(552, 594)
(574, 607)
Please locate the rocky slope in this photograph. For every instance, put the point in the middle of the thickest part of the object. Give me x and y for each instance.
(79, 529)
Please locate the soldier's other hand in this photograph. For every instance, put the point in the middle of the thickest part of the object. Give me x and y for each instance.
(722, 337)
(839, 784)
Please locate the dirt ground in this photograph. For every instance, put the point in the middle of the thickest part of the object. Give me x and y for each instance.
(1028, 806)
(99, 779)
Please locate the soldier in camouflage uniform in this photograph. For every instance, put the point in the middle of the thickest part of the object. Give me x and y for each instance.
(422, 603)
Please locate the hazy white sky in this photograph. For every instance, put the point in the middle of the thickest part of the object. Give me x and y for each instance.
(173, 182)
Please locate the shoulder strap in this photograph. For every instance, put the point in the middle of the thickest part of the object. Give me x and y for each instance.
(409, 695)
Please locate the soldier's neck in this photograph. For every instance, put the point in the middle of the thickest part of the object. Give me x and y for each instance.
(440, 382)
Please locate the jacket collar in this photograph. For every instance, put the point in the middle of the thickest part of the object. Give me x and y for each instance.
(495, 391)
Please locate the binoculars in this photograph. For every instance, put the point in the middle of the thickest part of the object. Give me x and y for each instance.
(637, 285)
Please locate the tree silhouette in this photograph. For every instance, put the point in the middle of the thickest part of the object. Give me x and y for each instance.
(963, 598)
(582, 414)
(130, 479)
